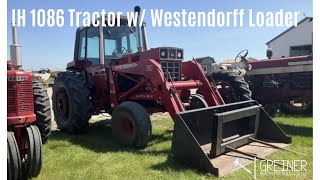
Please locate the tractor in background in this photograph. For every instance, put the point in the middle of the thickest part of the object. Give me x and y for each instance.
(283, 84)
(28, 118)
(114, 71)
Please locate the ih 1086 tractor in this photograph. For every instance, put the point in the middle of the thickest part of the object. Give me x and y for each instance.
(28, 119)
(113, 71)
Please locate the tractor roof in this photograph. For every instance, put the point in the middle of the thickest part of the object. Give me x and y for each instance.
(106, 16)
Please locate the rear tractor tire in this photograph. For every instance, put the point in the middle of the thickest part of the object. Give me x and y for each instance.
(232, 87)
(42, 110)
(131, 125)
(71, 102)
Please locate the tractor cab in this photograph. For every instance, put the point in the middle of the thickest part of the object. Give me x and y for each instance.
(98, 48)
(115, 42)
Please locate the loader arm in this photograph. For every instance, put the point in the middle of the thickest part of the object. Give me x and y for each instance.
(162, 89)
(193, 70)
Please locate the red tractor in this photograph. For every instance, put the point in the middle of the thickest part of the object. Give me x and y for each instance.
(283, 84)
(28, 118)
(113, 71)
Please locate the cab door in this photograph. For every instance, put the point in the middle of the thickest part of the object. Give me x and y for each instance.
(89, 54)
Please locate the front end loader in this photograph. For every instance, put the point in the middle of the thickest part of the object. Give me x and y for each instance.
(113, 71)
(207, 138)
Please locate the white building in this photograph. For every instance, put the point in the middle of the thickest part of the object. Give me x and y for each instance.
(294, 41)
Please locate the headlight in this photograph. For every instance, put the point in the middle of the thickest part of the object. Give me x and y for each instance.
(163, 53)
(172, 53)
(180, 54)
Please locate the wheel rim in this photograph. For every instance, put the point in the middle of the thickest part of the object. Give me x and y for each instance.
(127, 126)
(197, 102)
(62, 104)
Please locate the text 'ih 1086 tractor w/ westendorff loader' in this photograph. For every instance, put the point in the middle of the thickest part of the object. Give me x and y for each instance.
(28, 118)
(113, 71)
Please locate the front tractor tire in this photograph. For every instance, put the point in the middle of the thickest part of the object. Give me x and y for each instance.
(232, 87)
(42, 110)
(13, 158)
(304, 109)
(131, 125)
(71, 102)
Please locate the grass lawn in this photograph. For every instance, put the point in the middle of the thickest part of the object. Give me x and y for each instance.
(96, 156)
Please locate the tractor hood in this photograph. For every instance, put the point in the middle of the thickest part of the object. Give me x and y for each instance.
(158, 54)
(282, 62)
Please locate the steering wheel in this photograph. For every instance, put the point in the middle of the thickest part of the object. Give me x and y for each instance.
(242, 55)
(123, 50)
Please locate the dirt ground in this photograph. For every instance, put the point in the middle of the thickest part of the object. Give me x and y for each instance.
(103, 116)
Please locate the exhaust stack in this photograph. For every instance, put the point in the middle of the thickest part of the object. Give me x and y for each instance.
(137, 10)
(15, 49)
(269, 53)
(144, 37)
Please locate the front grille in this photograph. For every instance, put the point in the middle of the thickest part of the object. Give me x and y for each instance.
(26, 97)
(11, 98)
(172, 70)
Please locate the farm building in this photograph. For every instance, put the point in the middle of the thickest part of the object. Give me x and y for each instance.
(295, 41)
(207, 63)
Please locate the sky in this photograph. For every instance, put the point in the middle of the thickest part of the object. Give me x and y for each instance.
(52, 47)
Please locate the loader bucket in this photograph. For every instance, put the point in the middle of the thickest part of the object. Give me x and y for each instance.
(202, 137)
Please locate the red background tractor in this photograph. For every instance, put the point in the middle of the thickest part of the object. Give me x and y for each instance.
(284, 84)
(28, 118)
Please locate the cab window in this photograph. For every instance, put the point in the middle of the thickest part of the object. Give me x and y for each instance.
(118, 41)
(110, 46)
(82, 45)
(93, 45)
